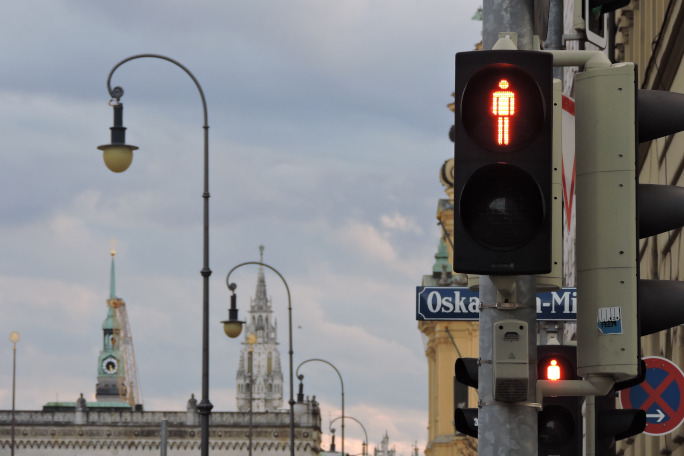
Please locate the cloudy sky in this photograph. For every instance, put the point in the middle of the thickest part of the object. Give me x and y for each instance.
(328, 128)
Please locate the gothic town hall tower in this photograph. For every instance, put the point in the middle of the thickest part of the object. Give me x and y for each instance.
(259, 375)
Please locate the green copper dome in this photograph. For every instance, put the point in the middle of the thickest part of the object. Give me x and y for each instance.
(442, 258)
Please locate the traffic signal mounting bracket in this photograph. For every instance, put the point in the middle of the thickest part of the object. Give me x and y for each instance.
(595, 385)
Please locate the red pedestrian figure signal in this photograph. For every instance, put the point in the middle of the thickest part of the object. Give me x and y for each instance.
(503, 107)
(553, 371)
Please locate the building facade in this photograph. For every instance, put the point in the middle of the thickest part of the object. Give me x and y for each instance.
(95, 430)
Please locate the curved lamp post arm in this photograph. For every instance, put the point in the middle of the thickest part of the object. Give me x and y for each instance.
(117, 92)
(362, 427)
(341, 383)
(232, 287)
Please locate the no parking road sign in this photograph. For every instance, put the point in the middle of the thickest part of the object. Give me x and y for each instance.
(661, 395)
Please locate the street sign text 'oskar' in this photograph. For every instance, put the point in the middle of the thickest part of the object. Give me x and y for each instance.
(459, 303)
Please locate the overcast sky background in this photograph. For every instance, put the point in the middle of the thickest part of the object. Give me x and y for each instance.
(328, 129)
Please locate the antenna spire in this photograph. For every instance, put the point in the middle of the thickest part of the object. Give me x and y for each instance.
(112, 277)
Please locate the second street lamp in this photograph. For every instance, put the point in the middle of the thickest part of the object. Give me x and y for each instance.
(341, 385)
(118, 157)
(233, 326)
(364, 449)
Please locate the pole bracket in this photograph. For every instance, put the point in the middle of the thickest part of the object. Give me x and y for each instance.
(536, 405)
(503, 306)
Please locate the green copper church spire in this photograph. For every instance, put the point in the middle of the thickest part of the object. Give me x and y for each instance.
(442, 262)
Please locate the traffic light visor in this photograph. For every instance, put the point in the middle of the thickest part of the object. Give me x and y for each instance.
(502, 108)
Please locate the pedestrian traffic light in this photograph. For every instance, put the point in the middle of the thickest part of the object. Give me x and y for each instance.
(612, 117)
(560, 420)
(503, 133)
(465, 419)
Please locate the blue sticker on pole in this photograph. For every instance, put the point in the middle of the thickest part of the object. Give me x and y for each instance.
(609, 320)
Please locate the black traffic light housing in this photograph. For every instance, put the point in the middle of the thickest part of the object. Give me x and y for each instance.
(465, 419)
(503, 133)
(560, 420)
(613, 425)
(660, 209)
(616, 424)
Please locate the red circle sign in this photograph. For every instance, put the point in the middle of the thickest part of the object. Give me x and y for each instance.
(661, 395)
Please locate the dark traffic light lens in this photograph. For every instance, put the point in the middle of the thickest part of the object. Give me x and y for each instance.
(501, 207)
(556, 427)
(502, 108)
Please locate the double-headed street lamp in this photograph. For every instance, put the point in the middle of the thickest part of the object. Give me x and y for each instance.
(301, 377)
(118, 156)
(233, 328)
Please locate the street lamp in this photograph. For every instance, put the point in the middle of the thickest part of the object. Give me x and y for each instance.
(118, 156)
(365, 442)
(341, 383)
(14, 338)
(230, 325)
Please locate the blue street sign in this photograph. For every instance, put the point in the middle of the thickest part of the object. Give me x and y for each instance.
(459, 303)
(660, 395)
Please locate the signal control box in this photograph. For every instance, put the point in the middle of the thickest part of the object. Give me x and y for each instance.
(510, 361)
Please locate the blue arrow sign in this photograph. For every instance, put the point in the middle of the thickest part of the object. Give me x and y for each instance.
(459, 303)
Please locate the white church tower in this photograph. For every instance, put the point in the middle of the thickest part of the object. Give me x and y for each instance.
(259, 375)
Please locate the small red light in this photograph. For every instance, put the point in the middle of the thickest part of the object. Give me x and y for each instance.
(503, 107)
(553, 372)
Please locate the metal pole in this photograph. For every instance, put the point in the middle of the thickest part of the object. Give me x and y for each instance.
(290, 352)
(164, 437)
(251, 396)
(14, 377)
(590, 425)
(341, 383)
(506, 429)
(554, 37)
(507, 16)
(204, 407)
